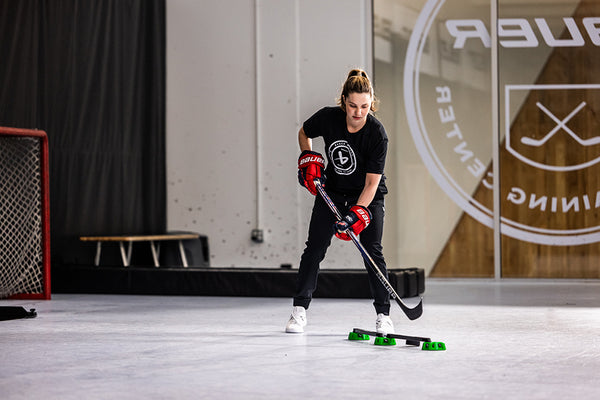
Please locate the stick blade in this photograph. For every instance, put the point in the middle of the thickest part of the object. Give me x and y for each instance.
(411, 313)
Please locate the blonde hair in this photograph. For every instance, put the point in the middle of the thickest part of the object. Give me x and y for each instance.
(357, 82)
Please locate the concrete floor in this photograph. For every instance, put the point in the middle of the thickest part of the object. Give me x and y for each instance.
(505, 340)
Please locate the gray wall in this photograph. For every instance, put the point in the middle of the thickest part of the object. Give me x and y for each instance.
(242, 76)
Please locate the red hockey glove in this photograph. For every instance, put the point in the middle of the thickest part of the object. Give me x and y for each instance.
(357, 219)
(310, 167)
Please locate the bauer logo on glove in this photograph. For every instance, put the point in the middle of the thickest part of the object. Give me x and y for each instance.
(357, 219)
(310, 167)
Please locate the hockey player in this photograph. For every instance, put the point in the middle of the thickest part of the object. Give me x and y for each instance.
(356, 148)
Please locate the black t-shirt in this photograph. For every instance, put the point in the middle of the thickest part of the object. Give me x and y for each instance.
(350, 156)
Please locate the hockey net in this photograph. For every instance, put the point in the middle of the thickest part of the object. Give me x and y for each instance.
(24, 214)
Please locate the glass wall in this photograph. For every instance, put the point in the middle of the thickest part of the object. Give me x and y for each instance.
(492, 165)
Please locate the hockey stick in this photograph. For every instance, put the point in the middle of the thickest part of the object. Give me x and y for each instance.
(560, 125)
(411, 313)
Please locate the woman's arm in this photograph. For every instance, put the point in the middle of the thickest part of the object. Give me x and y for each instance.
(304, 141)
(368, 193)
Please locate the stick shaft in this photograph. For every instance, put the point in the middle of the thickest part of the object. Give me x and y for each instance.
(411, 313)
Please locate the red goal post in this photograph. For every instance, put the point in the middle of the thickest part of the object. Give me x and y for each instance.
(24, 214)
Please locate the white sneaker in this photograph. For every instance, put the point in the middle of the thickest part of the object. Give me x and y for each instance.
(297, 320)
(384, 324)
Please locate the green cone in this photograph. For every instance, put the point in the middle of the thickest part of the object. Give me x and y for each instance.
(434, 346)
(383, 341)
(357, 336)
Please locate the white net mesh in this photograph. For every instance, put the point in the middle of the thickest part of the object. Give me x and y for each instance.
(21, 249)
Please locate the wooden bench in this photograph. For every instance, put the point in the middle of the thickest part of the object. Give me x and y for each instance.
(154, 241)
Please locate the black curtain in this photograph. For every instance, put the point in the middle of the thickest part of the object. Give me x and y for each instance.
(91, 73)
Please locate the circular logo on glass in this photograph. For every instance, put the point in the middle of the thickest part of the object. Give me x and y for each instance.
(549, 142)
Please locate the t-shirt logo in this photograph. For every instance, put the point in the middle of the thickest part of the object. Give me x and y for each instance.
(343, 158)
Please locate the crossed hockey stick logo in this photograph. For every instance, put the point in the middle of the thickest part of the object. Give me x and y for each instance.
(534, 157)
(560, 124)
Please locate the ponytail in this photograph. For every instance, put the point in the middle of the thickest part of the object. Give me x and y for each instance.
(357, 82)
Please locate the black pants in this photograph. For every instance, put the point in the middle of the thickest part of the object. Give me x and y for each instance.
(320, 233)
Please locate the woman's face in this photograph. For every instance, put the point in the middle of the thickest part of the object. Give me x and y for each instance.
(357, 109)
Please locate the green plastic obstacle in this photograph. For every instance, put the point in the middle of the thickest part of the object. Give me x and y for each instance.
(384, 341)
(434, 346)
(358, 336)
(391, 341)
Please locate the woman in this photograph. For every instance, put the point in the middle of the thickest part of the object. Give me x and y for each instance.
(356, 148)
